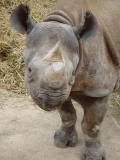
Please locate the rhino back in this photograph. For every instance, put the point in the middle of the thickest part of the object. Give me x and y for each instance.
(108, 13)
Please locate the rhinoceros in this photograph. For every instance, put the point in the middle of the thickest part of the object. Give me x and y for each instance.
(73, 54)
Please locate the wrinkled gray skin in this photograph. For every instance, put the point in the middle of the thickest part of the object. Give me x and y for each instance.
(47, 92)
(65, 61)
(51, 56)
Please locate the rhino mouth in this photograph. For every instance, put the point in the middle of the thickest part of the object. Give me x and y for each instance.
(49, 101)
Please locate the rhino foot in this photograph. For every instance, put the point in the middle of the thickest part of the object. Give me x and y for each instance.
(93, 154)
(63, 139)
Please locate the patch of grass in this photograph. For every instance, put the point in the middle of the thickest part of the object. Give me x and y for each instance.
(115, 105)
(12, 43)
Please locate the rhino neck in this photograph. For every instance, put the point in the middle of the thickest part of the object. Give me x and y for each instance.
(58, 16)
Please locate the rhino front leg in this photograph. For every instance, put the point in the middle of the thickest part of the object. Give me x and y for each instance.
(94, 112)
(66, 136)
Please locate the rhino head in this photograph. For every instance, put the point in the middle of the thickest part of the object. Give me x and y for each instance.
(51, 56)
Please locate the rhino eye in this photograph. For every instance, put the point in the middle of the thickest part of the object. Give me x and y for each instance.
(73, 73)
(29, 69)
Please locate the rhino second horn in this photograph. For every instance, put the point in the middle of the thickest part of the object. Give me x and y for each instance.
(54, 55)
(57, 66)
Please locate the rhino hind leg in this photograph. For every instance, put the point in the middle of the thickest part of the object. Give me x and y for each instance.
(66, 136)
(94, 112)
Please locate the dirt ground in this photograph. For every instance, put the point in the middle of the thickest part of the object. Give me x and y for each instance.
(26, 132)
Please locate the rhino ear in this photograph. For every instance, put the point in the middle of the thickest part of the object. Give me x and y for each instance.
(88, 28)
(21, 20)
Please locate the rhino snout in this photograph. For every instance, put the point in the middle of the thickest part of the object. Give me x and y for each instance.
(47, 83)
(49, 99)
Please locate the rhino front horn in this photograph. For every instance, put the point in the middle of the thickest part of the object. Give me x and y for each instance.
(54, 55)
